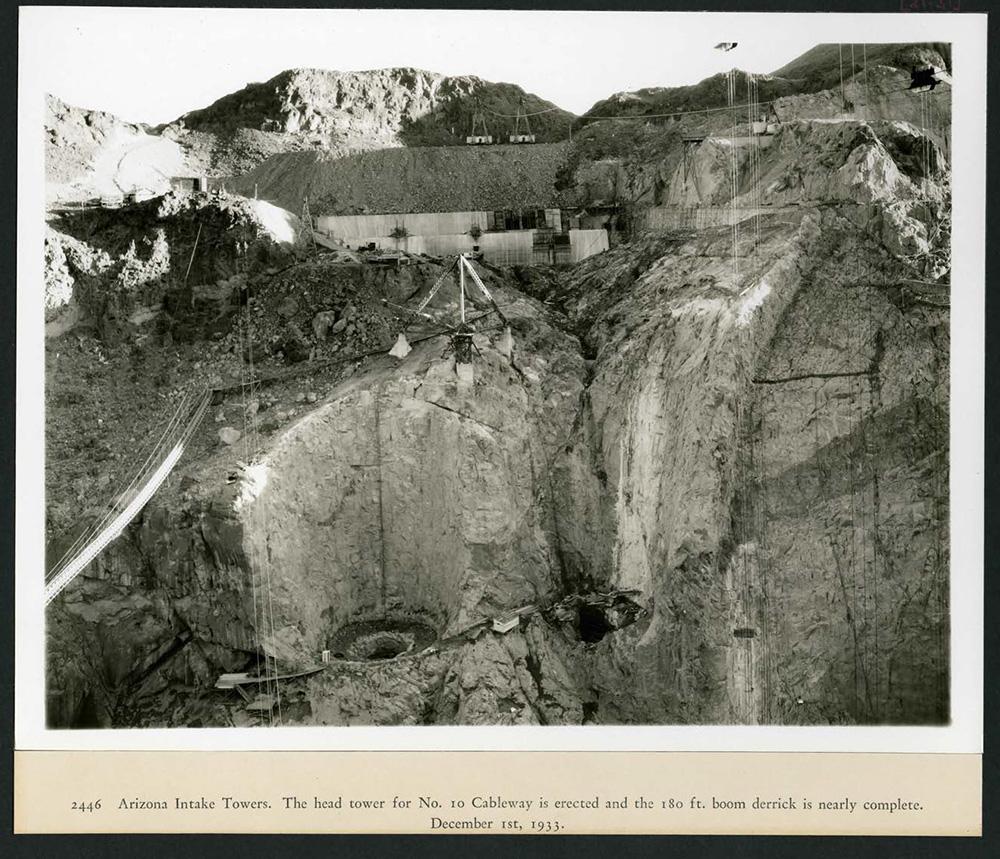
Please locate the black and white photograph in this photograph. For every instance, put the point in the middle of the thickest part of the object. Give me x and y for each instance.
(412, 369)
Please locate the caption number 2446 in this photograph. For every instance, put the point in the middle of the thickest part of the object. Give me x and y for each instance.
(83, 805)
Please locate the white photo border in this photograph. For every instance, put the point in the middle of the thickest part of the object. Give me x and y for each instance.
(966, 33)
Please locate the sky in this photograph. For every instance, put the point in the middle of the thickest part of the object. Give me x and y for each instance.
(152, 65)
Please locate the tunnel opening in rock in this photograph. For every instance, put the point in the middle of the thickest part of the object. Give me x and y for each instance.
(593, 623)
(381, 639)
(386, 645)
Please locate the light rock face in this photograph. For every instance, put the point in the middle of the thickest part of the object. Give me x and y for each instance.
(90, 153)
(229, 435)
(881, 95)
(892, 169)
(412, 495)
(774, 459)
(811, 162)
(519, 679)
(854, 477)
(64, 258)
(403, 493)
(653, 165)
(670, 374)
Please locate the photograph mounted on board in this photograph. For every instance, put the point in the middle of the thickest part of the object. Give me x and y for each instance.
(393, 397)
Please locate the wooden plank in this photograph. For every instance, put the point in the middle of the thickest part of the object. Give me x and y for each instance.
(262, 702)
(506, 623)
(229, 681)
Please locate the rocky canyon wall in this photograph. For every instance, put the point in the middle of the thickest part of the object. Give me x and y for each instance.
(743, 429)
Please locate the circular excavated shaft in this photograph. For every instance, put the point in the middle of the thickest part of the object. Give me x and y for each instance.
(373, 640)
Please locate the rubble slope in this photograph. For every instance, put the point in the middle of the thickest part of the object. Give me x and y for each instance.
(439, 179)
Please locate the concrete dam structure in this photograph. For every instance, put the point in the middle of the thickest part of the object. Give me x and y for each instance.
(444, 234)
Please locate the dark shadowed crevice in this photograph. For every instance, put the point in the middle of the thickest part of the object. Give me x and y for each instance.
(593, 623)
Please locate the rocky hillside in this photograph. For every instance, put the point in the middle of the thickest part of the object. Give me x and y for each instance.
(819, 68)
(91, 154)
(764, 456)
(344, 112)
(308, 319)
(618, 158)
(377, 108)
(105, 266)
(816, 70)
(764, 452)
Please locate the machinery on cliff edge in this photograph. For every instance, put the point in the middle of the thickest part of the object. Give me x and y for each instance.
(462, 334)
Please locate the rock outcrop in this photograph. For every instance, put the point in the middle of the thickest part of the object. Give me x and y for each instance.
(820, 70)
(377, 108)
(753, 479)
(89, 153)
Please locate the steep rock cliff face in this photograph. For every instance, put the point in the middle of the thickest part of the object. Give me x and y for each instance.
(402, 493)
(766, 441)
(771, 466)
(894, 170)
(415, 495)
(849, 431)
(639, 161)
(157, 617)
(814, 161)
(669, 377)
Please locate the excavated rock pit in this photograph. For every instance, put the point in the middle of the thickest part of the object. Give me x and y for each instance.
(755, 452)
(411, 495)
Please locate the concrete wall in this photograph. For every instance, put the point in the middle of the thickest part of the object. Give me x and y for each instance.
(352, 228)
(513, 247)
(586, 243)
(508, 248)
